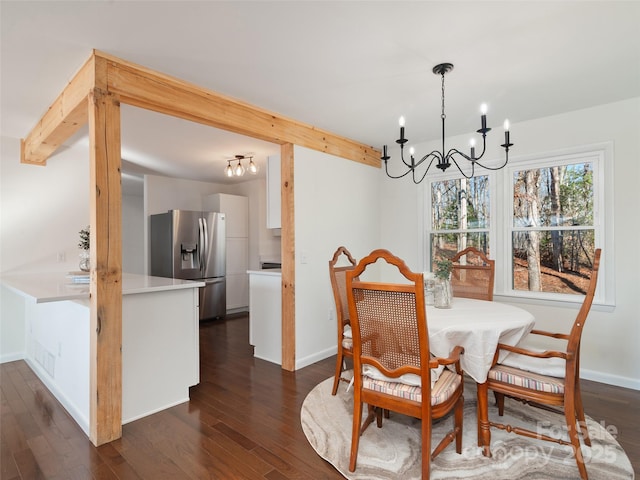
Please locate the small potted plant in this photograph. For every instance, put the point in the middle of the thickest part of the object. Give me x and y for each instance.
(443, 269)
(85, 244)
(443, 291)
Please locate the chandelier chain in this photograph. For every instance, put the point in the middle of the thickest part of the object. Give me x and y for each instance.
(443, 116)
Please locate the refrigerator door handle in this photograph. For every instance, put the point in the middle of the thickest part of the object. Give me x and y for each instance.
(205, 252)
(201, 244)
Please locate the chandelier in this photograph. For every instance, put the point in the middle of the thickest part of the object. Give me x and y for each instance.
(238, 170)
(454, 155)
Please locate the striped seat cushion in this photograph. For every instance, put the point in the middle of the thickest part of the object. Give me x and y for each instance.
(443, 389)
(522, 378)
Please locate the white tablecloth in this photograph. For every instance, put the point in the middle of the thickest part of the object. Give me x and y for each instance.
(478, 326)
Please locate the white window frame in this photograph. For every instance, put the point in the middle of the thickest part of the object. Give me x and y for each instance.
(501, 222)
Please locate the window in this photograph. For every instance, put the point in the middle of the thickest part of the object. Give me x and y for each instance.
(540, 218)
(552, 227)
(460, 216)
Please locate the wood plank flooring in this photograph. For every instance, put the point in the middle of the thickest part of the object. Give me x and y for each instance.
(243, 422)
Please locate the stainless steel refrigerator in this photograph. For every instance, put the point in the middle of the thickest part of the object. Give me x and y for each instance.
(191, 245)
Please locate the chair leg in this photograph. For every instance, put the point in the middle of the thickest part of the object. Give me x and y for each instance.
(426, 447)
(575, 440)
(355, 434)
(499, 402)
(580, 416)
(336, 378)
(458, 417)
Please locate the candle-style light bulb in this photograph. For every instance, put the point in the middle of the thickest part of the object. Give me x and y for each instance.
(472, 143)
(483, 117)
(401, 122)
(506, 132)
(412, 151)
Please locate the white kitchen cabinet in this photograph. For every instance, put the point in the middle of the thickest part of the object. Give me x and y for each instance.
(273, 192)
(237, 279)
(236, 210)
(265, 314)
(160, 340)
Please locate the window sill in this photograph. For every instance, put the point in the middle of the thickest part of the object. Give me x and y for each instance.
(547, 302)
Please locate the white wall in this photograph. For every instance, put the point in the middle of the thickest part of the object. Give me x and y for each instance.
(610, 340)
(133, 251)
(336, 203)
(42, 210)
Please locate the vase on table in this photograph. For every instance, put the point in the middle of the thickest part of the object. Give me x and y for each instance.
(443, 293)
(85, 261)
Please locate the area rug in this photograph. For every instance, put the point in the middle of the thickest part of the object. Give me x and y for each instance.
(393, 451)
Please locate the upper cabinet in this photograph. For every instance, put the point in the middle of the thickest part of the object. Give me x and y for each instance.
(236, 209)
(273, 192)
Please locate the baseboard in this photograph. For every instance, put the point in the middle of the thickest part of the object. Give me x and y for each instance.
(233, 311)
(151, 412)
(76, 414)
(316, 357)
(610, 379)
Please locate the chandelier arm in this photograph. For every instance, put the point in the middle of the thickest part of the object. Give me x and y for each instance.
(408, 165)
(435, 154)
(506, 160)
(386, 169)
(473, 167)
(454, 151)
(424, 174)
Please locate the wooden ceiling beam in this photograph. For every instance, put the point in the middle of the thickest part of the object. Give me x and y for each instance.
(142, 87)
(145, 88)
(66, 115)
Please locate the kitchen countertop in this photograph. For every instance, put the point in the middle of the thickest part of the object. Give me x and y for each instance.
(274, 272)
(56, 287)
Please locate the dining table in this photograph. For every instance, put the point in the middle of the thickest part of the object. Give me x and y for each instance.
(478, 326)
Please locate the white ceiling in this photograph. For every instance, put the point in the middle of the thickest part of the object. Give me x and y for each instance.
(349, 67)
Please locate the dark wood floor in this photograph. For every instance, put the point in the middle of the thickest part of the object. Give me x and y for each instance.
(243, 421)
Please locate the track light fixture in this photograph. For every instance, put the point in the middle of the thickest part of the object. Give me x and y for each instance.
(239, 170)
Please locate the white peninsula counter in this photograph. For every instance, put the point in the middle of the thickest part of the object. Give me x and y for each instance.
(160, 340)
(265, 314)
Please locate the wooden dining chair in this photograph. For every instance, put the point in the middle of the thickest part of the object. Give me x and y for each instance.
(339, 288)
(392, 365)
(473, 274)
(544, 377)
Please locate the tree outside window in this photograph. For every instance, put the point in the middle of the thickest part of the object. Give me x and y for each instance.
(459, 216)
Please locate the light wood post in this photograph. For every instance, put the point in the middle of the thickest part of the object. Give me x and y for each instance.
(105, 422)
(288, 248)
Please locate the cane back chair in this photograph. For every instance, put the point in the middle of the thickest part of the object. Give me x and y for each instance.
(339, 288)
(473, 274)
(549, 378)
(392, 364)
